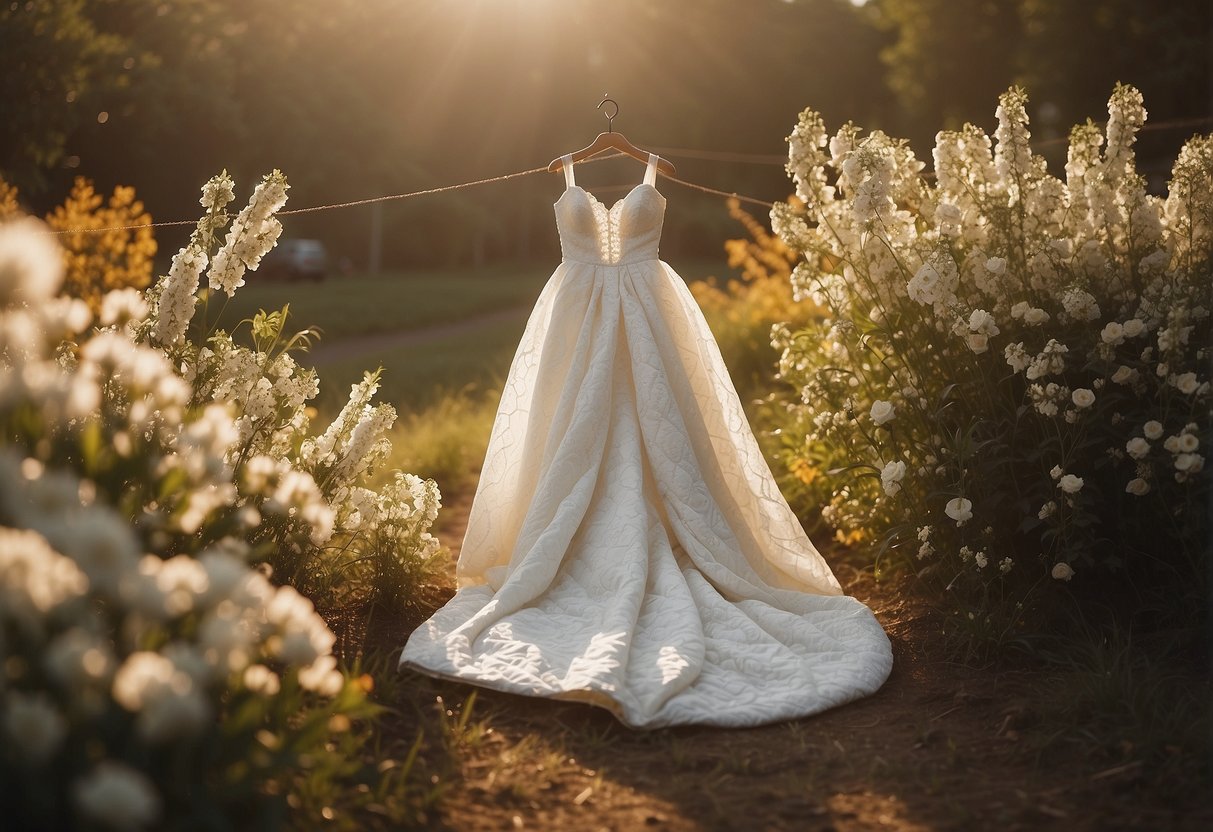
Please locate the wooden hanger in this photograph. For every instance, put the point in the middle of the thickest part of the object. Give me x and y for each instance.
(610, 140)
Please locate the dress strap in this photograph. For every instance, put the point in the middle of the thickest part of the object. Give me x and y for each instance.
(650, 173)
(567, 162)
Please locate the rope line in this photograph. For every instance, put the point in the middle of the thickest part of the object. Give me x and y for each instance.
(1162, 125)
(780, 161)
(707, 190)
(723, 156)
(748, 158)
(410, 194)
(313, 208)
(426, 192)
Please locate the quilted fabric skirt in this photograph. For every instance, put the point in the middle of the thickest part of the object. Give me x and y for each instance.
(627, 544)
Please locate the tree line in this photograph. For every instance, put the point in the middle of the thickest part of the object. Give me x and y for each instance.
(356, 98)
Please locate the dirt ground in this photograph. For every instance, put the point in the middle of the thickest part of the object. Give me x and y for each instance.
(942, 746)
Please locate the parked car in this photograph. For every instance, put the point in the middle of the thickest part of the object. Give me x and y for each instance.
(296, 259)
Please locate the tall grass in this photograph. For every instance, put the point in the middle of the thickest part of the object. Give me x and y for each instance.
(1132, 707)
(447, 439)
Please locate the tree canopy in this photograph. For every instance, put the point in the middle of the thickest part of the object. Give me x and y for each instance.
(355, 98)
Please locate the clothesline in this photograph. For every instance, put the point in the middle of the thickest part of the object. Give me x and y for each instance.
(749, 158)
(424, 192)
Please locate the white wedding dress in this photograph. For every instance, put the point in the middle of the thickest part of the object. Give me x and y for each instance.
(627, 544)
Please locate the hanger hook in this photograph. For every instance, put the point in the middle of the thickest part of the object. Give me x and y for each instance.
(610, 118)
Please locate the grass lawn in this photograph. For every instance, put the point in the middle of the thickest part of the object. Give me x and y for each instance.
(417, 376)
(361, 304)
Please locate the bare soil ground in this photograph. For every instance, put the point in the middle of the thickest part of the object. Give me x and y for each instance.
(942, 746)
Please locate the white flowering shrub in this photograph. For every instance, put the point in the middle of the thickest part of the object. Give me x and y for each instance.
(152, 678)
(321, 527)
(1012, 385)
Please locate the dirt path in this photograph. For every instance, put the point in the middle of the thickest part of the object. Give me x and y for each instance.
(349, 349)
(942, 746)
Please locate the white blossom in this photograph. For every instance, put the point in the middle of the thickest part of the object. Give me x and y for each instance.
(882, 412)
(891, 476)
(217, 192)
(1062, 571)
(959, 509)
(1083, 398)
(33, 725)
(322, 677)
(1035, 316)
(1138, 487)
(260, 679)
(1050, 361)
(1017, 357)
(123, 306)
(116, 796)
(1137, 447)
(165, 698)
(253, 232)
(142, 677)
(982, 321)
(934, 283)
(31, 263)
(176, 302)
(1113, 333)
(1185, 383)
(78, 657)
(1070, 484)
(1189, 463)
(1080, 305)
(949, 216)
(35, 579)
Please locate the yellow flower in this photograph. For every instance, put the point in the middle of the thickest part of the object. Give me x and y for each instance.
(850, 538)
(8, 201)
(804, 471)
(99, 261)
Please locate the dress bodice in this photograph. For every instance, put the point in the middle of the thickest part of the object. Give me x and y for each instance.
(627, 232)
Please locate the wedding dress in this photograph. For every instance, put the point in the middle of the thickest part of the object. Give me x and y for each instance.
(627, 545)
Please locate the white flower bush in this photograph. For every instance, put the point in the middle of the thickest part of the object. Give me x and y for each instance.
(152, 676)
(1034, 350)
(318, 515)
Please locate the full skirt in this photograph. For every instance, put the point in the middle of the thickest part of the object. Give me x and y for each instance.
(627, 545)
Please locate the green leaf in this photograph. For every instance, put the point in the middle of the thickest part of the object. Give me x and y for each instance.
(92, 441)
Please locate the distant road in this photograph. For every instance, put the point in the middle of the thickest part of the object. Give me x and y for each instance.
(350, 348)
